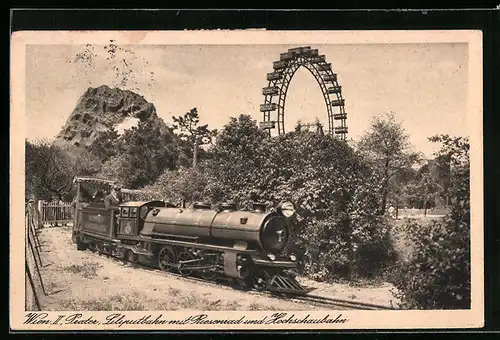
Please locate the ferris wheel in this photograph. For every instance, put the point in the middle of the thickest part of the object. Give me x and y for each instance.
(279, 80)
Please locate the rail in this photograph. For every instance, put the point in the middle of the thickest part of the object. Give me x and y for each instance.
(333, 302)
(311, 299)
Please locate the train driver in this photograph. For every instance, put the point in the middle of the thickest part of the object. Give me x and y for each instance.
(113, 200)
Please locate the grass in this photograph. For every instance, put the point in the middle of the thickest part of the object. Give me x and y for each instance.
(114, 303)
(191, 301)
(136, 301)
(51, 286)
(403, 245)
(121, 302)
(372, 282)
(258, 306)
(87, 270)
(232, 305)
(173, 291)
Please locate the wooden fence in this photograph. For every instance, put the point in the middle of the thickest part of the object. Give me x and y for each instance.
(420, 213)
(56, 213)
(34, 282)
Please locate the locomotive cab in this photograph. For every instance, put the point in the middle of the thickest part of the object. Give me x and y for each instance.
(130, 222)
(131, 216)
(100, 228)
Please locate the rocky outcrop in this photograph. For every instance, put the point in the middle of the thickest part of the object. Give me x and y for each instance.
(102, 108)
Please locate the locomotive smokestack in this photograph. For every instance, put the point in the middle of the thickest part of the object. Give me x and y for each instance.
(202, 205)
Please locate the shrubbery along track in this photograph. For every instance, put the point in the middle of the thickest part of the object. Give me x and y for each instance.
(247, 248)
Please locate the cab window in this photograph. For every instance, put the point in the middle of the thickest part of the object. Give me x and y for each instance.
(125, 212)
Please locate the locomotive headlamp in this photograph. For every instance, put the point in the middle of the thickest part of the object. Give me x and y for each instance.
(271, 257)
(287, 209)
(293, 257)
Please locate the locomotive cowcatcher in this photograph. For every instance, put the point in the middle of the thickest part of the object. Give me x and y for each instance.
(248, 247)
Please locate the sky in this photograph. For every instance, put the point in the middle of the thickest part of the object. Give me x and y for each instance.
(425, 85)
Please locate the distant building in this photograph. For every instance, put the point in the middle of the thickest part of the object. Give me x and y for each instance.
(316, 127)
(439, 170)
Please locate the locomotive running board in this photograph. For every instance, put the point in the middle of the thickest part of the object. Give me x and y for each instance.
(282, 284)
(195, 245)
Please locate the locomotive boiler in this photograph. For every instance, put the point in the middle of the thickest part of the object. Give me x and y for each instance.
(224, 225)
(248, 246)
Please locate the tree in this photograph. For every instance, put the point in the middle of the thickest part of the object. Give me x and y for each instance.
(434, 176)
(122, 169)
(427, 190)
(235, 158)
(185, 184)
(403, 189)
(141, 154)
(453, 157)
(437, 274)
(189, 130)
(336, 232)
(104, 146)
(49, 171)
(386, 145)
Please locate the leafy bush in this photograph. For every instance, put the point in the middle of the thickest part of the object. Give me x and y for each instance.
(336, 233)
(187, 184)
(325, 179)
(104, 146)
(50, 170)
(139, 156)
(437, 274)
(326, 250)
(373, 247)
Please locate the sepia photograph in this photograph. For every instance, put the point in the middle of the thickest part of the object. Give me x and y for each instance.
(246, 180)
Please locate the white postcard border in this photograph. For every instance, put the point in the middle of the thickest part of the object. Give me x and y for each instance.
(355, 319)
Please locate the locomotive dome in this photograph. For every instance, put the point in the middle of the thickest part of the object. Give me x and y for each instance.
(228, 206)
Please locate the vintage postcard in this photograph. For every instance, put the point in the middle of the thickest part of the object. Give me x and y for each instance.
(246, 180)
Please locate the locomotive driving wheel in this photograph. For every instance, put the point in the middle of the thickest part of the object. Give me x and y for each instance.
(210, 274)
(166, 258)
(184, 256)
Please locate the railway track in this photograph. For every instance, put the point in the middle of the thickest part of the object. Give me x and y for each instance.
(333, 302)
(310, 299)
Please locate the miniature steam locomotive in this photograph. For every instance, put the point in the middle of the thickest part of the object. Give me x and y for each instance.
(248, 247)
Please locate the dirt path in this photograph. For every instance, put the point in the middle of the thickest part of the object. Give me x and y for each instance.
(85, 281)
(376, 294)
